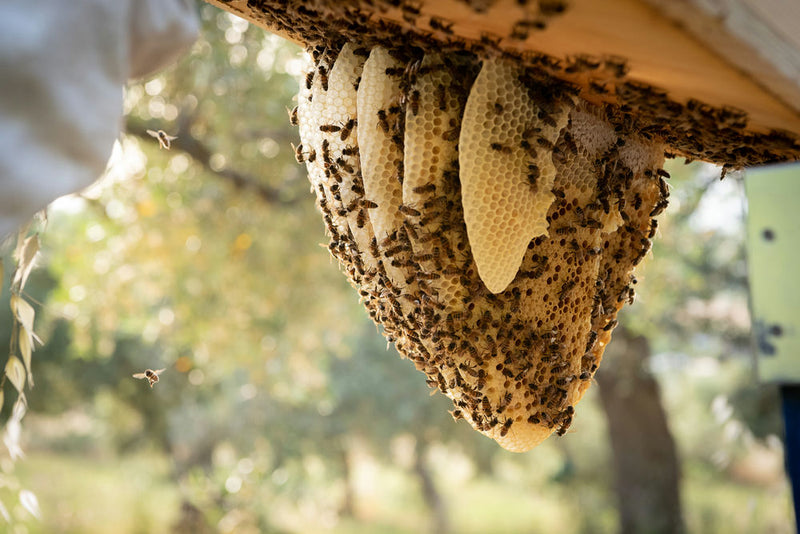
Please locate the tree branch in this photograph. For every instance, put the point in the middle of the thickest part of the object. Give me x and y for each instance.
(200, 152)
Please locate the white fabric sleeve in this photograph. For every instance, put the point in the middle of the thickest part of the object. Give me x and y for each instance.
(62, 68)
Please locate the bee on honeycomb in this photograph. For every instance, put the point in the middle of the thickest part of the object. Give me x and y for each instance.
(489, 218)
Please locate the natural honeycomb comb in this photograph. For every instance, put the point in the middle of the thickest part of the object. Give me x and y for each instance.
(447, 147)
(506, 141)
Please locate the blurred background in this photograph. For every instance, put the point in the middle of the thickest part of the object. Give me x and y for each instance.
(206, 260)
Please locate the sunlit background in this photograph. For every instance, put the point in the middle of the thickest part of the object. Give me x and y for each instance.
(281, 408)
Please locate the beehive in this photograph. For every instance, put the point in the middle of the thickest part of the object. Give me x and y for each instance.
(489, 219)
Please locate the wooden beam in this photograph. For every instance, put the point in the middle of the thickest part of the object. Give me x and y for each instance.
(679, 47)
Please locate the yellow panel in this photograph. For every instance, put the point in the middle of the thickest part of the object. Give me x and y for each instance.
(773, 254)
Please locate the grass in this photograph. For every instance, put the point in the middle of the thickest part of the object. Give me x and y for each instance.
(79, 495)
(135, 495)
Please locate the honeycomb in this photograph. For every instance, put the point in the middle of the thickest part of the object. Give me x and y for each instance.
(502, 291)
(506, 140)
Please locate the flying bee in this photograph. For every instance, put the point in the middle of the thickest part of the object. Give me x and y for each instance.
(150, 375)
(164, 140)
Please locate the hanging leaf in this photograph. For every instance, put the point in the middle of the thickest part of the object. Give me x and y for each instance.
(15, 371)
(30, 503)
(13, 430)
(25, 350)
(23, 311)
(25, 257)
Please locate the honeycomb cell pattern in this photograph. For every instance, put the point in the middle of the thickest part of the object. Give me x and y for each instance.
(393, 198)
(507, 170)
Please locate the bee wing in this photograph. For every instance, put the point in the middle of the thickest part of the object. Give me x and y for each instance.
(160, 371)
(153, 133)
(139, 375)
(171, 137)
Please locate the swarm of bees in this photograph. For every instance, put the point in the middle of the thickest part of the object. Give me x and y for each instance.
(150, 375)
(489, 219)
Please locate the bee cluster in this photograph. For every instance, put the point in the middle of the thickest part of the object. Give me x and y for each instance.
(691, 128)
(489, 219)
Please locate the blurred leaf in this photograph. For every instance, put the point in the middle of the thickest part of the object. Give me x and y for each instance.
(30, 503)
(25, 314)
(11, 437)
(25, 256)
(4, 512)
(25, 349)
(23, 311)
(15, 371)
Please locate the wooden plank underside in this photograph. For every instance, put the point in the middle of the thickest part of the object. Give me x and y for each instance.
(660, 50)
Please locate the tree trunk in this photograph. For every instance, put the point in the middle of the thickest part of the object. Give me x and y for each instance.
(646, 469)
(433, 499)
(347, 506)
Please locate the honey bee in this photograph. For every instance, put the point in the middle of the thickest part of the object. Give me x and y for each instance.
(323, 75)
(293, 120)
(361, 218)
(407, 210)
(506, 427)
(329, 128)
(611, 324)
(451, 135)
(422, 189)
(347, 128)
(500, 148)
(164, 140)
(565, 289)
(545, 143)
(659, 207)
(150, 375)
(382, 122)
(441, 97)
(548, 120)
(298, 153)
(413, 102)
